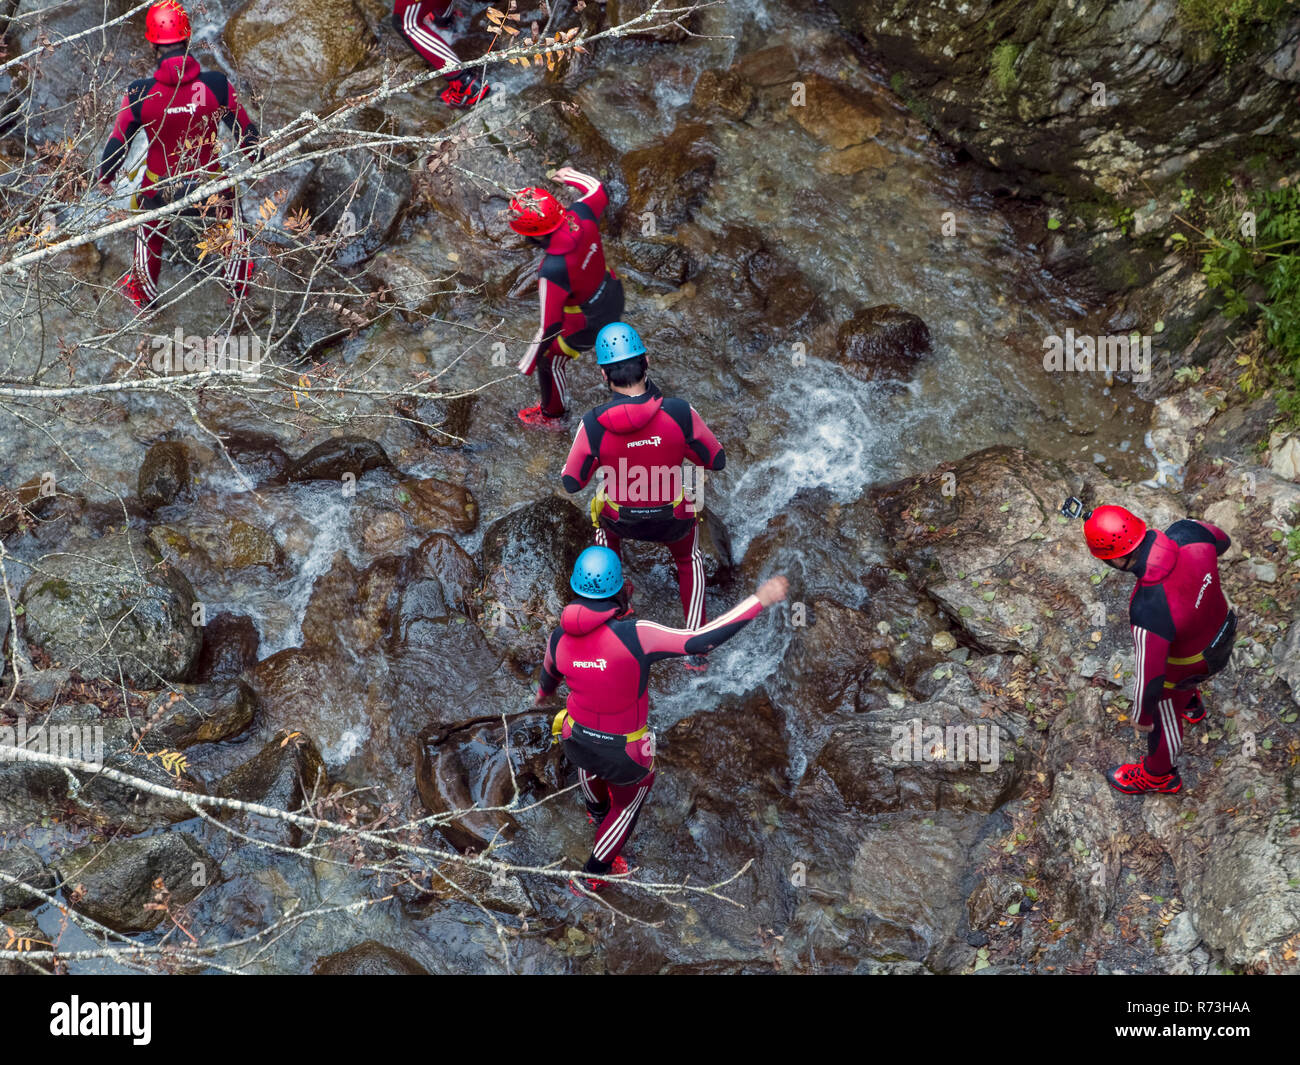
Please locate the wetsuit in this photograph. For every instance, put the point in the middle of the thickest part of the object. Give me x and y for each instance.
(637, 444)
(179, 108)
(1176, 611)
(579, 295)
(606, 661)
(418, 21)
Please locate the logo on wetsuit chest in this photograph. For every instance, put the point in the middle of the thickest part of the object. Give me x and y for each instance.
(599, 663)
(1209, 579)
(656, 440)
(186, 109)
(590, 252)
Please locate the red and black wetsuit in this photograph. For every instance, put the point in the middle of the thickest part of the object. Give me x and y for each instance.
(579, 295)
(179, 109)
(637, 445)
(1176, 610)
(418, 21)
(606, 663)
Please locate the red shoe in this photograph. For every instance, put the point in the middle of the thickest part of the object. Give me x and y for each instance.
(591, 883)
(130, 287)
(697, 663)
(1194, 714)
(464, 92)
(1133, 779)
(535, 419)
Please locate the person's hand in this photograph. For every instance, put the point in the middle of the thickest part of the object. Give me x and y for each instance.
(540, 698)
(772, 590)
(1139, 729)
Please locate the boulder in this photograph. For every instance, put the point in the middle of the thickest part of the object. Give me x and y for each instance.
(189, 714)
(230, 644)
(882, 342)
(669, 179)
(330, 460)
(369, 959)
(164, 474)
(22, 863)
(113, 604)
(114, 883)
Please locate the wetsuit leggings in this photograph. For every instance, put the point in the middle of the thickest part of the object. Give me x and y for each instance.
(615, 809)
(578, 334)
(149, 240)
(1165, 740)
(416, 21)
(690, 568)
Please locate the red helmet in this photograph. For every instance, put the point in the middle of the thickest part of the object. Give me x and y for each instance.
(535, 212)
(1112, 532)
(166, 23)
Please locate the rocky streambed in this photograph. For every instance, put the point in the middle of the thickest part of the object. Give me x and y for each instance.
(858, 309)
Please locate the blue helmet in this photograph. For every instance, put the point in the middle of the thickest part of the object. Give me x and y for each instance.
(598, 574)
(616, 342)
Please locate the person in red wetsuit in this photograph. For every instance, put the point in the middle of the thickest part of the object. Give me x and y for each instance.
(605, 656)
(418, 21)
(1183, 630)
(637, 444)
(179, 108)
(579, 295)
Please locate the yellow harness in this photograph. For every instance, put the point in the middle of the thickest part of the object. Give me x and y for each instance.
(563, 718)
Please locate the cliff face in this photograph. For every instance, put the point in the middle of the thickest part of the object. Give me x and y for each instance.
(1087, 97)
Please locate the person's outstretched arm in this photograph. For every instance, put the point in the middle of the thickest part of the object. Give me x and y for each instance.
(660, 642)
(594, 196)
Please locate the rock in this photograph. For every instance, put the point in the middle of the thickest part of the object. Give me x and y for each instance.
(528, 556)
(1226, 514)
(988, 903)
(260, 458)
(618, 12)
(446, 421)
(112, 805)
(984, 538)
(1264, 572)
(943, 642)
(350, 197)
(28, 791)
(1176, 420)
(224, 543)
(724, 92)
(118, 878)
(350, 611)
(21, 862)
(284, 774)
(451, 566)
(41, 687)
(469, 769)
(330, 460)
(834, 114)
(298, 48)
(113, 604)
(1181, 936)
(434, 504)
(190, 714)
(230, 644)
(854, 160)
(369, 959)
(22, 926)
(883, 341)
(1286, 655)
(1284, 455)
(947, 753)
(317, 692)
(670, 179)
(164, 474)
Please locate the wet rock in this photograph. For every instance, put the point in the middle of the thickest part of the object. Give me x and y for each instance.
(785, 294)
(528, 556)
(113, 604)
(769, 67)
(349, 611)
(40, 687)
(947, 753)
(297, 48)
(444, 560)
(882, 342)
(618, 12)
(431, 504)
(988, 903)
(469, 769)
(414, 288)
(369, 959)
(164, 474)
(260, 458)
(116, 879)
(284, 774)
(22, 926)
(224, 543)
(836, 115)
(28, 791)
(21, 862)
(724, 92)
(357, 201)
(831, 657)
(317, 692)
(657, 262)
(670, 179)
(1177, 419)
(446, 421)
(330, 460)
(230, 644)
(189, 714)
(985, 539)
(113, 805)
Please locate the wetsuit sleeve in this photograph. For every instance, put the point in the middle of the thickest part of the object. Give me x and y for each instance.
(703, 445)
(1153, 633)
(659, 642)
(551, 675)
(126, 127)
(594, 196)
(551, 296)
(1222, 541)
(582, 462)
